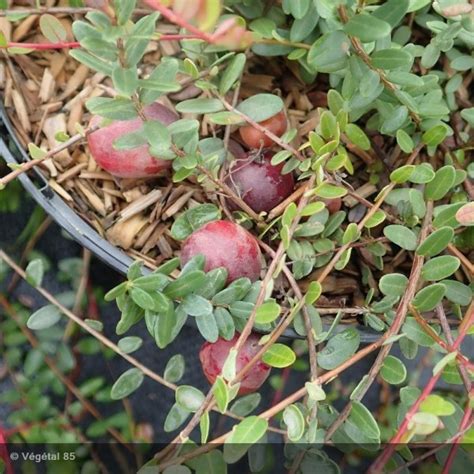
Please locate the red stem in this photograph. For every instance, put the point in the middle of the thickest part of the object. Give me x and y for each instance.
(382, 460)
(75, 44)
(43, 46)
(465, 422)
(177, 37)
(462, 359)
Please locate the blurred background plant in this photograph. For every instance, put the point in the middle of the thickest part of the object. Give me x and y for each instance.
(393, 124)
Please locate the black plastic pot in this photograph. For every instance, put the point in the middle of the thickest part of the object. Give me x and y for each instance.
(13, 153)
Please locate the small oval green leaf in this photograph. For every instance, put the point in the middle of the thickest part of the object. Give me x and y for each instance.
(401, 235)
(189, 398)
(127, 383)
(44, 318)
(393, 370)
(439, 268)
(174, 369)
(279, 355)
(436, 242)
(393, 284)
(438, 187)
(429, 297)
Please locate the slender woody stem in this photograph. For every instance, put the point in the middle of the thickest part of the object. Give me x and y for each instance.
(384, 457)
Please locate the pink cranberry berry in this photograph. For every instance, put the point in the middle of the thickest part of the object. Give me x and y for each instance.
(213, 355)
(134, 163)
(228, 245)
(260, 184)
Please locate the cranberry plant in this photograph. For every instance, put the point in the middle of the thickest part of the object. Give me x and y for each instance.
(395, 126)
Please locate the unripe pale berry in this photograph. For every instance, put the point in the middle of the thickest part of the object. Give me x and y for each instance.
(254, 138)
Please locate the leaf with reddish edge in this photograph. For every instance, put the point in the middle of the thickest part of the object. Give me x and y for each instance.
(465, 215)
